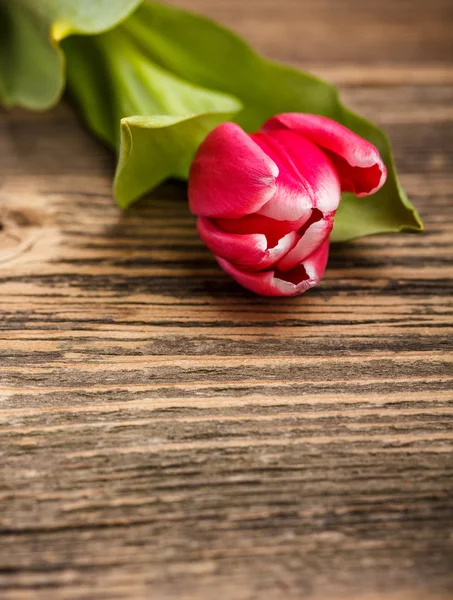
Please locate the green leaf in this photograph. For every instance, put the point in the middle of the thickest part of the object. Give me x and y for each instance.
(110, 78)
(203, 53)
(171, 76)
(388, 211)
(153, 147)
(31, 63)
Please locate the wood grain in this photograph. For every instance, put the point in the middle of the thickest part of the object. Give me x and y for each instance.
(165, 434)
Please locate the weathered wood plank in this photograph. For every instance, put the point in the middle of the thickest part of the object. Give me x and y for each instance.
(403, 33)
(166, 434)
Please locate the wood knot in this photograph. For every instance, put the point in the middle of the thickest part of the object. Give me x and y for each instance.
(20, 229)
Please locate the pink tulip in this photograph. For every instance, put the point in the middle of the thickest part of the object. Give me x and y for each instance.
(266, 201)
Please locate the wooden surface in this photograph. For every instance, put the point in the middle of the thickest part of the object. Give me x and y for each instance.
(165, 434)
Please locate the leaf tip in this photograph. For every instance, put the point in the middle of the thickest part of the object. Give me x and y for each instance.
(59, 30)
(417, 226)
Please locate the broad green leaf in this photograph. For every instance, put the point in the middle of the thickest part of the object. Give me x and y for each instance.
(180, 75)
(153, 147)
(110, 78)
(202, 53)
(389, 210)
(31, 63)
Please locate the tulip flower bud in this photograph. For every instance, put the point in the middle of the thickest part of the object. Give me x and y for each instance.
(265, 202)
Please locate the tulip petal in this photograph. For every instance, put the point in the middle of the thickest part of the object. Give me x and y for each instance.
(293, 198)
(313, 166)
(307, 178)
(311, 238)
(357, 161)
(248, 251)
(278, 283)
(272, 229)
(231, 176)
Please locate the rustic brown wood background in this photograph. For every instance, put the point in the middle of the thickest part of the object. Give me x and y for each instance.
(165, 434)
